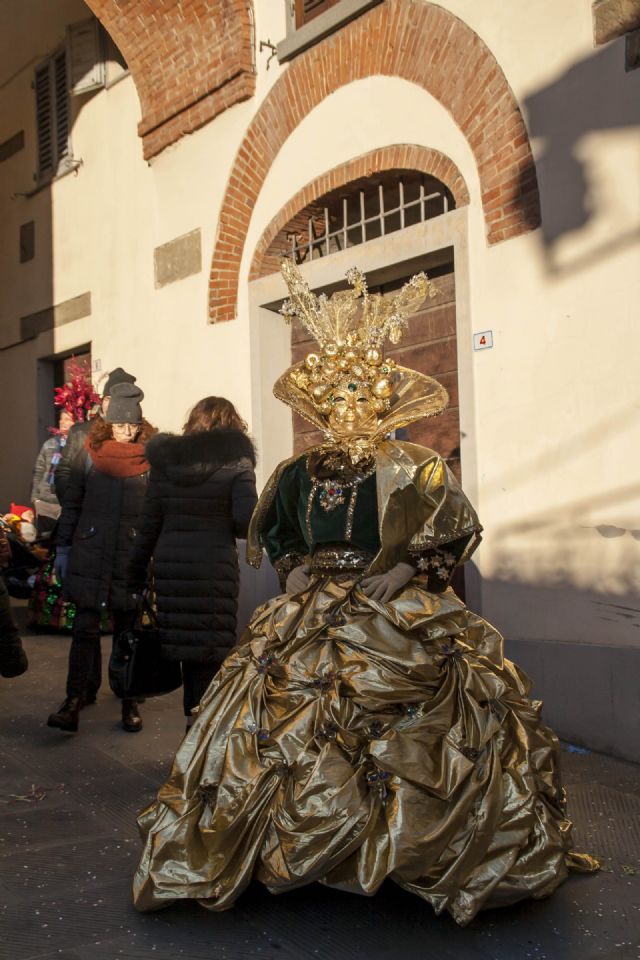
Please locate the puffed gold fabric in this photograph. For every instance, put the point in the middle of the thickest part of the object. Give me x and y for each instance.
(347, 741)
(420, 503)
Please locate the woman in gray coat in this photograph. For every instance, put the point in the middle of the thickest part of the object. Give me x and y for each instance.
(42, 483)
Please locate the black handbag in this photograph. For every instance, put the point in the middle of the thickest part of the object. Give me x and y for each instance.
(137, 669)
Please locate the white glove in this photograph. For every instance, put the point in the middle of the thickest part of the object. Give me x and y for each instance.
(298, 580)
(61, 563)
(382, 586)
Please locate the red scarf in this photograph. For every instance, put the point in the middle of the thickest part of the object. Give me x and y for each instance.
(119, 459)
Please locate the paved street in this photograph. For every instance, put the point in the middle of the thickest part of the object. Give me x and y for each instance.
(68, 846)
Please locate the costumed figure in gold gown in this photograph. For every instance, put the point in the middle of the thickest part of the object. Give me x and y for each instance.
(368, 725)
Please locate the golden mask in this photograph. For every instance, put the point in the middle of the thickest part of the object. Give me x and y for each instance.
(353, 411)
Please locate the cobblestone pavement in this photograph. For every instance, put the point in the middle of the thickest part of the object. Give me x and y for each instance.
(68, 846)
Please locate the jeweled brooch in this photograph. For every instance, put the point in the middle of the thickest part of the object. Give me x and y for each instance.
(331, 495)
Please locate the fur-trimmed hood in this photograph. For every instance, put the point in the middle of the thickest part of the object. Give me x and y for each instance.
(191, 459)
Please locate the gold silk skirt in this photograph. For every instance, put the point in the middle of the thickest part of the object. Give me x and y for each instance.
(347, 741)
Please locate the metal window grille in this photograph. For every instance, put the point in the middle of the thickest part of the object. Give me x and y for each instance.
(52, 116)
(331, 230)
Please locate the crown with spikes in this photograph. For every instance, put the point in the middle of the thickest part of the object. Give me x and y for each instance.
(353, 317)
(350, 328)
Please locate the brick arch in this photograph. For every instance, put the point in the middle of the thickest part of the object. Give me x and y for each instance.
(189, 60)
(419, 42)
(396, 157)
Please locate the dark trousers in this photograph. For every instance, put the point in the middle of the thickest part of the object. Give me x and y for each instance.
(85, 655)
(196, 677)
(13, 659)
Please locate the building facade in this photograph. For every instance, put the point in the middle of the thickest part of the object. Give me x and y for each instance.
(157, 158)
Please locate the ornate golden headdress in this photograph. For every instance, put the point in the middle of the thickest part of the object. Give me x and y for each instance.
(350, 328)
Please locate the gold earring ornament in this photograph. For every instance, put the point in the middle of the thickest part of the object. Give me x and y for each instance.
(373, 356)
(383, 388)
(319, 391)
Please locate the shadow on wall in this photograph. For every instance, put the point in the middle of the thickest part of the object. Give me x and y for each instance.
(564, 589)
(594, 538)
(577, 537)
(589, 688)
(594, 96)
(582, 554)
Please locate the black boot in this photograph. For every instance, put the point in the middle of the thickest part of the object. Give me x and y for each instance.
(13, 659)
(131, 719)
(66, 717)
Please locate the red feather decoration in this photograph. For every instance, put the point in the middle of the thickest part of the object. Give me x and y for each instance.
(77, 396)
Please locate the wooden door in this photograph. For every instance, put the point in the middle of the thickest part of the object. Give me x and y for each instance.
(430, 346)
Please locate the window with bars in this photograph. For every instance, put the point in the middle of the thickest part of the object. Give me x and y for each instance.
(307, 10)
(365, 211)
(53, 126)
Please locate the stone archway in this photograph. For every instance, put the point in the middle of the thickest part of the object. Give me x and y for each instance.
(426, 45)
(397, 156)
(189, 60)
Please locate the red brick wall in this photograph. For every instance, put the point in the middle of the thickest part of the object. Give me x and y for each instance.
(190, 60)
(399, 156)
(426, 45)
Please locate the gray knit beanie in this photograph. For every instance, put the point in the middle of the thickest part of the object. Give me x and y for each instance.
(117, 376)
(124, 406)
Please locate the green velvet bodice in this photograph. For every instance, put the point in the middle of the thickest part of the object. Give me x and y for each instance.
(293, 525)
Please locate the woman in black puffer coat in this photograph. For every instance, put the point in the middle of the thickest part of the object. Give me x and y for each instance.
(101, 514)
(201, 495)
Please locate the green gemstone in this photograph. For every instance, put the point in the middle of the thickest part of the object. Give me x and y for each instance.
(353, 387)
